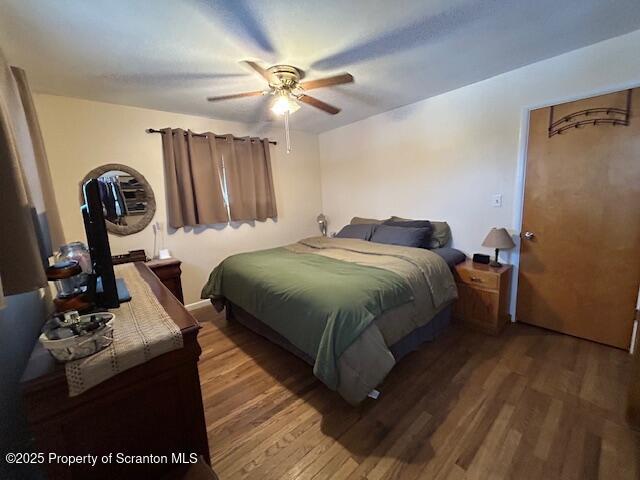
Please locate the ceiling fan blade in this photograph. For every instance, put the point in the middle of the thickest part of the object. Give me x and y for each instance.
(258, 69)
(314, 102)
(327, 82)
(235, 95)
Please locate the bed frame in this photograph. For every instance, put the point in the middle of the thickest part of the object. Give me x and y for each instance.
(400, 349)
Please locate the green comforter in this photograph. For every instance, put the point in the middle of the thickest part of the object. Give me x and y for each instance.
(320, 304)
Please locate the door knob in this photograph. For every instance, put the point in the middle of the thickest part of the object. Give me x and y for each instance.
(529, 235)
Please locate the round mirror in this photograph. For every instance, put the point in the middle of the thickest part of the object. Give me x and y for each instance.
(127, 198)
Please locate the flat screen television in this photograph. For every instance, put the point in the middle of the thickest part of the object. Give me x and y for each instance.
(106, 291)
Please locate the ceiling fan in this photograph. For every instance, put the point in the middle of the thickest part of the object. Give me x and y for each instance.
(286, 85)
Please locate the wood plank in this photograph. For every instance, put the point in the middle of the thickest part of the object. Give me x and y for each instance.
(527, 404)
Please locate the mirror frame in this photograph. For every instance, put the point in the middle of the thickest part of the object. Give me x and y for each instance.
(145, 219)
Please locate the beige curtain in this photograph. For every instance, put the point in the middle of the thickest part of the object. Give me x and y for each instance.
(199, 168)
(247, 164)
(38, 169)
(265, 193)
(21, 266)
(21, 262)
(239, 173)
(193, 179)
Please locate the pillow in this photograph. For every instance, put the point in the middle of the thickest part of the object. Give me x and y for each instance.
(415, 224)
(367, 221)
(362, 231)
(404, 236)
(450, 255)
(441, 235)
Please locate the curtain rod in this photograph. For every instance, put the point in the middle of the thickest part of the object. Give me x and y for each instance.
(153, 130)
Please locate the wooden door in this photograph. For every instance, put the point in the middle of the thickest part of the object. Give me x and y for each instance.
(580, 265)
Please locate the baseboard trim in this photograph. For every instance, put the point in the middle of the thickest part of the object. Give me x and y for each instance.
(197, 305)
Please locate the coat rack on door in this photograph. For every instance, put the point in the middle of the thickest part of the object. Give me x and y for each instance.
(591, 116)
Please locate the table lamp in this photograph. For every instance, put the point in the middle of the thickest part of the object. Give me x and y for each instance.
(498, 238)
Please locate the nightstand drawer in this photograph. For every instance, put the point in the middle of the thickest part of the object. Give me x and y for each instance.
(479, 278)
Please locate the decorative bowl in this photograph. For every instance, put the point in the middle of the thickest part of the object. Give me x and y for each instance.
(78, 345)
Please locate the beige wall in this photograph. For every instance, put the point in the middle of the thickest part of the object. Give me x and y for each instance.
(80, 135)
(442, 158)
(445, 157)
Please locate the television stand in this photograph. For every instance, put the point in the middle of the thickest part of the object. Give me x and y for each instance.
(123, 291)
(121, 286)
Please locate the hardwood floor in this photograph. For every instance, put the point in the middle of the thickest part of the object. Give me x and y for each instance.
(527, 404)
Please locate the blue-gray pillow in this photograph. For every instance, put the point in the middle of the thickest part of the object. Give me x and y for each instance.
(360, 230)
(404, 236)
(441, 236)
(450, 255)
(413, 224)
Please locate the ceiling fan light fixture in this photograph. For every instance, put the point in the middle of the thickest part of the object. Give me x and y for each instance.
(283, 104)
(286, 86)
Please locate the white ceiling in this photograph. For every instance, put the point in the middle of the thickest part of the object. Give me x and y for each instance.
(171, 54)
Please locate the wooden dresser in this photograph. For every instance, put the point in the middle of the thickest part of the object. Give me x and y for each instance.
(153, 408)
(483, 296)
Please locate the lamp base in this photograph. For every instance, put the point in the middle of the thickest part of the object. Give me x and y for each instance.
(495, 262)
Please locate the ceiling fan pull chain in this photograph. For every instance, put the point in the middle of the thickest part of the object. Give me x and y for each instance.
(286, 131)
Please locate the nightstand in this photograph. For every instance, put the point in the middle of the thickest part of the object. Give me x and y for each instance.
(169, 272)
(483, 296)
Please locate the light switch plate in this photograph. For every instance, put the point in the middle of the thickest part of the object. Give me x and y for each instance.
(496, 200)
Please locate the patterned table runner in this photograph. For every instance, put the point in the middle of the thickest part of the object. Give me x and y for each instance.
(142, 330)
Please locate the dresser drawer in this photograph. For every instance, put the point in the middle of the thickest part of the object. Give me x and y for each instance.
(478, 278)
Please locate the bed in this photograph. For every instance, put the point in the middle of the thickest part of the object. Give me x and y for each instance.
(349, 307)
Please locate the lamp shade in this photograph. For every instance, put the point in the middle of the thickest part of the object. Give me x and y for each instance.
(498, 238)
